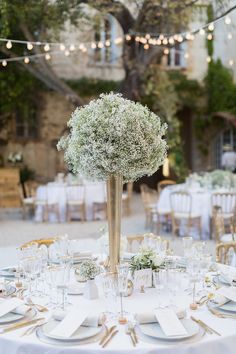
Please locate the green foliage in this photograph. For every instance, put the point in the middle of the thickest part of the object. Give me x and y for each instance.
(210, 17)
(87, 87)
(220, 88)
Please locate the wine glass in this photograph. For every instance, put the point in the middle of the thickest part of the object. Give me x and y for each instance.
(122, 283)
(108, 282)
(60, 277)
(187, 245)
(160, 281)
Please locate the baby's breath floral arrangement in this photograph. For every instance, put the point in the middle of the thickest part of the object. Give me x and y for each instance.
(146, 258)
(114, 136)
(88, 270)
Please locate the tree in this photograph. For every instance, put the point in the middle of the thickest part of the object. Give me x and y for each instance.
(42, 20)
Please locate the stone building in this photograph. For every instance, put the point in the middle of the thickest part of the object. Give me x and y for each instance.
(38, 142)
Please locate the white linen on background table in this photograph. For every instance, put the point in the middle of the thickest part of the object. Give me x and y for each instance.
(201, 205)
(57, 193)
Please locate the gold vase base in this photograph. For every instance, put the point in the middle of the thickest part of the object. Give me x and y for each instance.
(193, 306)
(18, 284)
(122, 320)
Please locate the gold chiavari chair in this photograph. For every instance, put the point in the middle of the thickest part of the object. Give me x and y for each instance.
(181, 210)
(163, 184)
(126, 198)
(75, 201)
(49, 204)
(218, 227)
(137, 240)
(149, 198)
(100, 204)
(42, 241)
(27, 203)
(227, 202)
(225, 252)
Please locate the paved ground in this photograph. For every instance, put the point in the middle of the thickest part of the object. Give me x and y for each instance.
(14, 231)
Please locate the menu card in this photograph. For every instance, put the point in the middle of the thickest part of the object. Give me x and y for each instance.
(72, 321)
(169, 322)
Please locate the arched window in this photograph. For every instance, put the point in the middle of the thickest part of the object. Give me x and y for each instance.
(226, 137)
(106, 34)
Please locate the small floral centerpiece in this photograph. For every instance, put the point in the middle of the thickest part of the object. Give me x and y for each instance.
(88, 270)
(146, 258)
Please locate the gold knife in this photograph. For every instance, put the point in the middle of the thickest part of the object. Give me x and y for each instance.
(134, 334)
(109, 338)
(20, 325)
(200, 323)
(103, 339)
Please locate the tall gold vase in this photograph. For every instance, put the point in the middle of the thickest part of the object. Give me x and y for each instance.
(114, 198)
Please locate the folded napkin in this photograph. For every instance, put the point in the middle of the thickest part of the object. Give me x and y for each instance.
(21, 308)
(228, 292)
(150, 317)
(170, 323)
(90, 321)
(82, 254)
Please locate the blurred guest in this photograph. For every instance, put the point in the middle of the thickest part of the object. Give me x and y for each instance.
(228, 160)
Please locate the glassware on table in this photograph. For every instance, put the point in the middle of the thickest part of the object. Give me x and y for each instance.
(187, 245)
(108, 283)
(194, 272)
(160, 282)
(122, 284)
(60, 277)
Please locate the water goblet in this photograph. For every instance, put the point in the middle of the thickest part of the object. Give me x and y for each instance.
(122, 284)
(60, 277)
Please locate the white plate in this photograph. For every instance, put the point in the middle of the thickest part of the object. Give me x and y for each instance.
(14, 317)
(154, 330)
(223, 280)
(81, 333)
(8, 272)
(229, 306)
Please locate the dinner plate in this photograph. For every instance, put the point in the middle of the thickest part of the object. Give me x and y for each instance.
(154, 330)
(14, 317)
(80, 334)
(228, 306)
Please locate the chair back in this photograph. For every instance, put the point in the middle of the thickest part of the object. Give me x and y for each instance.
(43, 241)
(181, 202)
(226, 201)
(218, 223)
(225, 252)
(76, 192)
(149, 196)
(163, 184)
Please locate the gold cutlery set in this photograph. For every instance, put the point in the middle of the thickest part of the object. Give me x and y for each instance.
(207, 328)
(107, 337)
(20, 325)
(130, 331)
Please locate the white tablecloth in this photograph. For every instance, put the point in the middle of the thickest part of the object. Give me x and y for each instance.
(201, 205)
(56, 192)
(13, 343)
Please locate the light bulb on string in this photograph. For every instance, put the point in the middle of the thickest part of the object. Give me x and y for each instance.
(180, 39)
(208, 59)
(231, 62)
(161, 37)
(188, 36)
(128, 37)
(62, 47)
(9, 45)
(148, 36)
(211, 27)
(202, 32)
(46, 47)
(186, 55)
(26, 60)
(72, 47)
(67, 52)
(137, 39)
(176, 36)
(47, 56)
(4, 63)
(107, 43)
(158, 41)
(118, 40)
(227, 20)
(146, 46)
(100, 45)
(143, 40)
(230, 36)
(171, 40)
(192, 37)
(93, 45)
(165, 41)
(166, 51)
(30, 46)
(209, 37)
(84, 49)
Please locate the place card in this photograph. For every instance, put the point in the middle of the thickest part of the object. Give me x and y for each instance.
(71, 322)
(228, 292)
(143, 277)
(169, 322)
(9, 305)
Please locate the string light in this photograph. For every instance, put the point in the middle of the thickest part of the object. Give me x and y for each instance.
(171, 40)
(72, 47)
(4, 63)
(230, 36)
(180, 39)
(208, 59)
(93, 45)
(186, 55)
(231, 62)
(146, 46)
(158, 41)
(30, 46)
(211, 27)
(9, 45)
(67, 53)
(188, 36)
(148, 36)
(227, 20)
(161, 37)
(165, 41)
(128, 37)
(107, 43)
(62, 47)
(118, 40)
(47, 56)
(202, 32)
(209, 37)
(100, 45)
(26, 60)
(46, 47)
(166, 51)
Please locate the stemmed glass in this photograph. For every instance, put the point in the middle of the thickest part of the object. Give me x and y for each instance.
(108, 282)
(160, 281)
(193, 270)
(60, 277)
(122, 283)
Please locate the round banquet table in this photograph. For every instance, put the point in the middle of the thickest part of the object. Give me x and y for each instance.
(56, 192)
(201, 204)
(13, 343)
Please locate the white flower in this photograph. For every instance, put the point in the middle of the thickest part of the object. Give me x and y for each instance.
(112, 135)
(88, 270)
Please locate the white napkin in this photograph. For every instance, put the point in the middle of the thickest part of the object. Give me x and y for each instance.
(169, 322)
(71, 322)
(9, 306)
(228, 292)
(20, 310)
(149, 317)
(90, 321)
